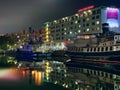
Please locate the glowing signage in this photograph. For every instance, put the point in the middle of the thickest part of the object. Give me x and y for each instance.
(112, 13)
(86, 8)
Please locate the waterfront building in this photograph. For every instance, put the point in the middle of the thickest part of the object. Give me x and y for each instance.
(88, 20)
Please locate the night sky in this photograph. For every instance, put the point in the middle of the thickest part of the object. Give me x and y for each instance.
(17, 15)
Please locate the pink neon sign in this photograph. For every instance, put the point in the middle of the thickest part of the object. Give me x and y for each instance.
(112, 13)
(86, 8)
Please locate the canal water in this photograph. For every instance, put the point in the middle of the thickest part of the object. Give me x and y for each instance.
(55, 75)
(18, 79)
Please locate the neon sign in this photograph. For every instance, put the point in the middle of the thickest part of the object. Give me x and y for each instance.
(112, 13)
(86, 8)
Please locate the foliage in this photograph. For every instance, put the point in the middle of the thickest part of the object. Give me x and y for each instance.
(6, 40)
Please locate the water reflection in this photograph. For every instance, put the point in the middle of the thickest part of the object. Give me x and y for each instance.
(78, 76)
(70, 75)
(32, 76)
(8, 74)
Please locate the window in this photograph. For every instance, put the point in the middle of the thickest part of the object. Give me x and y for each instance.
(98, 49)
(106, 48)
(110, 48)
(83, 25)
(102, 49)
(94, 49)
(91, 49)
(98, 11)
(97, 22)
(62, 25)
(94, 12)
(83, 20)
(93, 23)
(71, 23)
(88, 29)
(87, 49)
(79, 31)
(78, 21)
(97, 16)
(87, 24)
(93, 17)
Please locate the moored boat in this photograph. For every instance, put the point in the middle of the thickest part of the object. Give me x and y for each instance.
(105, 46)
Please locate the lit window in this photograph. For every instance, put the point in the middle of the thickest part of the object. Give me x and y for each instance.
(76, 22)
(81, 15)
(76, 14)
(97, 22)
(65, 33)
(47, 40)
(63, 18)
(70, 32)
(98, 28)
(46, 36)
(85, 13)
(79, 31)
(65, 29)
(18, 36)
(90, 12)
(66, 17)
(88, 19)
(79, 26)
(88, 29)
(86, 37)
(75, 32)
(55, 21)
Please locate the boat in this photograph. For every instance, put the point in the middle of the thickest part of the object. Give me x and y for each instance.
(24, 53)
(102, 46)
(42, 55)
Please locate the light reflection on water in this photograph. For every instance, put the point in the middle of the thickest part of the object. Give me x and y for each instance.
(34, 76)
(8, 74)
(69, 75)
(20, 77)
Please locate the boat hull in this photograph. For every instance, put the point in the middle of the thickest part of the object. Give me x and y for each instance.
(112, 55)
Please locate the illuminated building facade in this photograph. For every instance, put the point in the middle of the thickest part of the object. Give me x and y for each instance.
(88, 20)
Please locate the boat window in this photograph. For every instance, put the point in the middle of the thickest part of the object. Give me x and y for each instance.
(102, 74)
(74, 48)
(110, 48)
(102, 48)
(106, 75)
(91, 49)
(98, 49)
(87, 49)
(78, 49)
(94, 72)
(106, 49)
(94, 49)
(81, 49)
(111, 76)
(91, 71)
(98, 73)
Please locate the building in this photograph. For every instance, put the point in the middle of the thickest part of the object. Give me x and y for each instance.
(88, 20)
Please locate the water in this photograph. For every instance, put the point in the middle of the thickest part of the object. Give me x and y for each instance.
(15, 79)
(61, 76)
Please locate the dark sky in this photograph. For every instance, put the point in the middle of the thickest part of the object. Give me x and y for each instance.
(17, 15)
